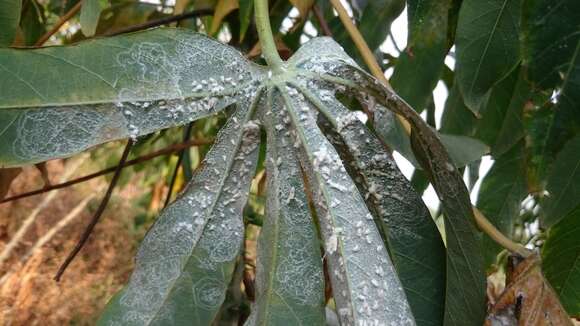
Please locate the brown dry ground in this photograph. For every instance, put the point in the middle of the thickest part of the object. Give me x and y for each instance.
(28, 294)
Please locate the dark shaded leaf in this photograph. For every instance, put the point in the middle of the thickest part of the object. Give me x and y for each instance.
(418, 68)
(551, 37)
(563, 184)
(500, 196)
(487, 46)
(561, 255)
(9, 20)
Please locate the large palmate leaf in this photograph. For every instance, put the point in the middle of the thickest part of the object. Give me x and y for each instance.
(114, 88)
(133, 85)
(487, 46)
(185, 262)
(9, 19)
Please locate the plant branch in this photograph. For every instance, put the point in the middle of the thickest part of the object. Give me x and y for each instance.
(162, 21)
(321, 21)
(141, 159)
(98, 213)
(73, 11)
(267, 42)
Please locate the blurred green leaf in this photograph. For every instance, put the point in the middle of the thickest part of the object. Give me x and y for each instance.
(487, 46)
(9, 20)
(551, 38)
(563, 184)
(500, 195)
(461, 149)
(90, 14)
(246, 9)
(419, 67)
(32, 22)
(561, 260)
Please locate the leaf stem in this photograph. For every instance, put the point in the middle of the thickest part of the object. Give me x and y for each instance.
(267, 42)
(485, 225)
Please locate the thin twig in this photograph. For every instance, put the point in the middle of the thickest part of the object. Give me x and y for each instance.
(98, 213)
(141, 159)
(181, 154)
(162, 21)
(321, 21)
(73, 11)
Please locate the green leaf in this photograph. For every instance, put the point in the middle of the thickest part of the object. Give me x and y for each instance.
(487, 46)
(418, 68)
(456, 118)
(511, 129)
(500, 196)
(245, 12)
(494, 109)
(561, 261)
(374, 25)
(186, 261)
(465, 288)
(289, 280)
(32, 22)
(563, 184)
(411, 235)
(551, 37)
(462, 149)
(9, 20)
(362, 271)
(551, 126)
(114, 88)
(90, 14)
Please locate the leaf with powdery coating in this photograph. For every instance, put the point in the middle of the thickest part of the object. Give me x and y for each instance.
(289, 280)
(186, 261)
(403, 219)
(119, 87)
(365, 285)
